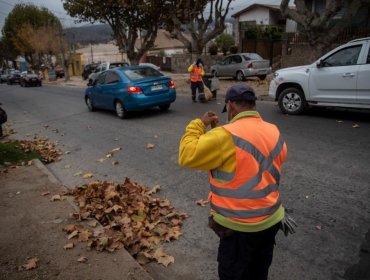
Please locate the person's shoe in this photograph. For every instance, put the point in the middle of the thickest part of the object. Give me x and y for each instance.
(194, 99)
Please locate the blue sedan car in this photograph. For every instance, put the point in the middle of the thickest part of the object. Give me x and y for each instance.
(130, 88)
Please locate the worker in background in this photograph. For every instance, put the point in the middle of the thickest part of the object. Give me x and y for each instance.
(196, 71)
(244, 159)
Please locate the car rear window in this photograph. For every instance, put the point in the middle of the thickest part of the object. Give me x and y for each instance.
(141, 73)
(250, 56)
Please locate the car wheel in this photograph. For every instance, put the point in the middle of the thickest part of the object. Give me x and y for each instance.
(262, 77)
(214, 73)
(240, 76)
(89, 104)
(292, 101)
(164, 108)
(120, 110)
(21, 84)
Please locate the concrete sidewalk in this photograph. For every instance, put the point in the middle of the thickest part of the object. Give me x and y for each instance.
(31, 226)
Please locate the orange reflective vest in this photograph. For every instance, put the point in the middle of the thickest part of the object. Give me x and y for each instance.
(250, 194)
(196, 74)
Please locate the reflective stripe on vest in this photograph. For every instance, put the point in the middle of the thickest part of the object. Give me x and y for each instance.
(245, 214)
(266, 164)
(232, 188)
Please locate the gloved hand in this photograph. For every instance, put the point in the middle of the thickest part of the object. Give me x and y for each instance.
(287, 225)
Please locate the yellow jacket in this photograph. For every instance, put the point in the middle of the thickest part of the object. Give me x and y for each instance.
(215, 149)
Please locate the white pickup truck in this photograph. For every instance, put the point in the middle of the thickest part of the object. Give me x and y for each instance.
(340, 78)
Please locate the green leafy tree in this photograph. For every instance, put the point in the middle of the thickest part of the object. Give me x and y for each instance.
(322, 29)
(207, 24)
(129, 19)
(224, 42)
(22, 23)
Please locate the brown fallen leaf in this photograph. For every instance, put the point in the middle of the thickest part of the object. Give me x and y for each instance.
(67, 166)
(150, 146)
(355, 125)
(82, 259)
(155, 189)
(30, 264)
(109, 155)
(202, 202)
(73, 234)
(71, 228)
(69, 246)
(56, 197)
(84, 236)
(45, 193)
(101, 160)
(115, 162)
(88, 175)
(92, 224)
(115, 150)
(77, 174)
(162, 258)
(318, 227)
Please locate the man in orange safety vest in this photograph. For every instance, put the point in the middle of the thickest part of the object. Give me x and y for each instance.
(244, 159)
(196, 71)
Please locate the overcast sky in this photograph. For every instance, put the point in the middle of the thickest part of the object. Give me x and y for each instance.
(56, 7)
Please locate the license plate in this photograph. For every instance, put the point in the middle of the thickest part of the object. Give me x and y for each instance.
(156, 87)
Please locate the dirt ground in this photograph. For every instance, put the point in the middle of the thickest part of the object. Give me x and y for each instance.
(32, 227)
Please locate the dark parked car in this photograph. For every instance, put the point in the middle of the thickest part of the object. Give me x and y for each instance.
(30, 79)
(88, 69)
(130, 88)
(3, 78)
(14, 77)
(59, 71)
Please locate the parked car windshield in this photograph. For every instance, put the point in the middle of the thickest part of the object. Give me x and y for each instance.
(250, 56)
(140, 73)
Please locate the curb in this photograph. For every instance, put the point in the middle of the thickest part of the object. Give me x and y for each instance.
(137, 272)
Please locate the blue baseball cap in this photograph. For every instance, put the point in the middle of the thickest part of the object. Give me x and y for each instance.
(239, 92)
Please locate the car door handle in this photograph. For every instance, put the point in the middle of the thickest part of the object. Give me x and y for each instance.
(348, 75)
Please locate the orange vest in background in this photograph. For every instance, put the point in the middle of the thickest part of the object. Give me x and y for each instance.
(250, 194)
(196, 74)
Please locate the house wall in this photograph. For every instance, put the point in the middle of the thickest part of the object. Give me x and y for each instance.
(260, 15)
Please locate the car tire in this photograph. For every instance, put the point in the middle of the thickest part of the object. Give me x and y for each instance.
(120, 110)
(21, 84)
(240, 76)
(214, 73)
(165, 107)
(262, 77)
(89, 104)
(292, 101)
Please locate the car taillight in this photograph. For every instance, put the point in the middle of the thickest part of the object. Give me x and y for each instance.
(27, 78)
(250, 65)
(134, 90)
(172, 84)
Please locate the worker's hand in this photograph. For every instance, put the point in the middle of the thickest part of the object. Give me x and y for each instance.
(210, 118)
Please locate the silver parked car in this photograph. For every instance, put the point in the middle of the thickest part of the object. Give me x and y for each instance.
(242, 65)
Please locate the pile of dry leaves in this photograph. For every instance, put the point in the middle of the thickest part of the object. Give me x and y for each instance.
(47, 150)
(131, 218)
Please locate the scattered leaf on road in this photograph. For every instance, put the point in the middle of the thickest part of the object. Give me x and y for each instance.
(69, 246)
(318, 227)
(82, 259)
(73, 234)
(150, 146)
(45, 193)
(88, 175)
(115, 162)
(30, 264)
(162, 258)
(67, 166)
(56, 197)
(202, 202)
(355, 125)
(155, 189)
(77, 174)
(101, 160)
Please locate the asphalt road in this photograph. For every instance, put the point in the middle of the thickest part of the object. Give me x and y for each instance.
(325, 181)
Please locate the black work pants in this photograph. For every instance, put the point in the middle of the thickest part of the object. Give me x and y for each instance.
(194, 87)
(246, 255)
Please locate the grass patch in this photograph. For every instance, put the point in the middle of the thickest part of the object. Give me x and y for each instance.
(12, 152)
